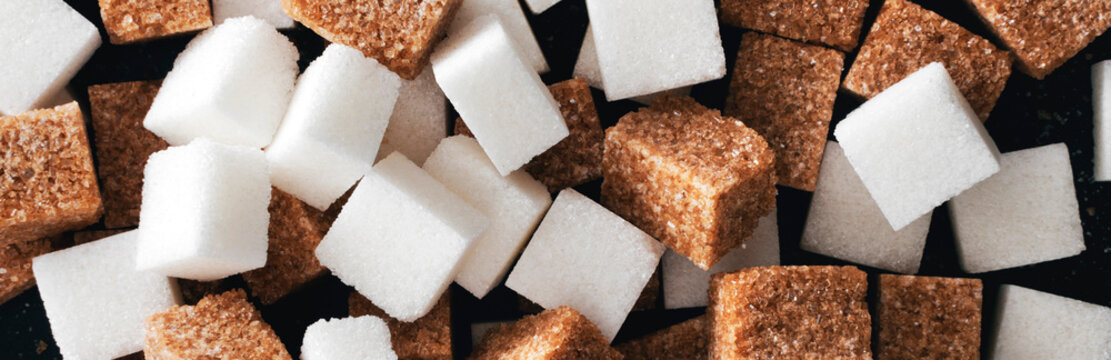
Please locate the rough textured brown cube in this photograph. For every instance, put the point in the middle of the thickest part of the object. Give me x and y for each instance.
(793, 312)
(906, 37)
(399, 34)
(123, 146)
(295, 230)
(785, 90)
(428, 338)
(924, 317)
(130, 21)
(221, 326)
(15, 261)
(47, 181)
(557, 334)
(683, 341)
(697, 181)
(1044, 33)
(835, 23)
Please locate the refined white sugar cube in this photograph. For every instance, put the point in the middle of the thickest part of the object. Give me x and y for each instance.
(845, 223)
(335, 122)
(364, 337)
(232, 84)
(1026, 213)
(512, 17)
(1037, 325)
(644, 47)
(419, 119)
(586, 67)
(269, 10)
(916, 145)
(96, 301)
(502, 101)
(400, 238)
(539, 6)
(687, 285)
(514, 203)
(42, 43)
(479, 330)
(588, 258)
(204, 214)
(1101, 100)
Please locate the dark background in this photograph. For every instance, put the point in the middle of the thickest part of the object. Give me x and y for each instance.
(1029, 113)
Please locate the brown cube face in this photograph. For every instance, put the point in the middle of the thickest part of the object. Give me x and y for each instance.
(785, 90)
(15, 259)
(683, 341)
(795, 312)
(129, 21)
(558, 334)
(906, 37)
(399, 34)
(295, 230)
(221, 326)
(1044, 34)
(928, 317)
(428, 338)
(123, 146)
(697, 181)
(47, 181)
(835, 23)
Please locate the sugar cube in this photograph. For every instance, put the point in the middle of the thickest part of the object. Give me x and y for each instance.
(1027, 213)
(539, 6)
(916, 145)
(97, 301)
(269, 10)
(1101, 102)
(204, 211)
(586, 67)
(512, 17)
(922, 317)
(15, 266)
(364, 337)
(419, 120)
(683, 341)
(223, 326)
(427, 338)
(835, 23)
(129, 21)
(295, 230)
(1031, 324)
(335, 122)
(559, 333)
(504, 103)
(231, 84)
(62, 97)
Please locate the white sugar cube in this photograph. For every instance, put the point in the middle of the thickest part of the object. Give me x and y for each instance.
(512, 17)
(502, 101)
(269, 10)
(96, 301)
(539, 6)
(687, 285)
(514, 203)
(363, 337)
(419, 119)
(335, 122)
(204, 214)
(916, 145)
(1037, 325)
(1101, 100)
(588, 258)
(845, 223)
(42, 43)
(232, 84)
(400, 238)
(645, 47)
(1025, 214)
(586, 67)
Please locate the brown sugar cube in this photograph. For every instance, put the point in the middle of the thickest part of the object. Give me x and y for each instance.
(560, 333)
(15, 265)
(428, 338)
(682, 341)
(785, 90)
(924, 317)
(697, 181)
(85, 236)
(221, 326)
(123, 146)
(47, 181)
(1044, 33)
(794, 312)
(399, 34)
(295, 230)
(906, 37)
(129, 21)
(835, 23)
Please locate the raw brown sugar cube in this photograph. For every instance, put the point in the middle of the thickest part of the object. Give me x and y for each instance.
(221, 326)
(923, 317)
(557, 334)
(1044, 34)
(129, 21)
(295, 230)
(15, 266)
(906, 37)
(785, 90)
(427, 338)
(683, 341)
(47, 181)
(690, 177)
(796, 312)
(399, 34)
(123, 146)
(834, 23)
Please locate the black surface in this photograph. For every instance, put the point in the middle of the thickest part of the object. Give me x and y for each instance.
(1029, 113)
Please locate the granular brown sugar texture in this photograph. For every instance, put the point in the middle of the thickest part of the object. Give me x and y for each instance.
(15, 262)
(558, 334)
(221, 326)
(928, 317)
(427, 338)
(834, 23)
(683, 341)
(295, 230)
(129, 21)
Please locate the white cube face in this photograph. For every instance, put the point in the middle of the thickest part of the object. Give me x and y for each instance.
(269, 10)
(419, 120)
(586, 67)
(512, 17)
(539, 6)
(363, 337)
(1101, 101)
(1038, 325)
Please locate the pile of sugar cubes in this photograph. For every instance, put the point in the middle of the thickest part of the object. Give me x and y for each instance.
(241, 163)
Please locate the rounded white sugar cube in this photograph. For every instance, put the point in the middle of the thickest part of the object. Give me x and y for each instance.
(512, 17)
(419, 120)
(1037, 325)
(352, 338)
(269, 10)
